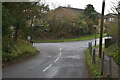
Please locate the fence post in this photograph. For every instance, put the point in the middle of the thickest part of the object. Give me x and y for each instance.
(91, 47)
(94, 58)
(102, 63)
(110, 66)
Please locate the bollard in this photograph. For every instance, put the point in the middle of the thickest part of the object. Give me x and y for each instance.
(89, 46)
(94, 58)
(102, 64)
(110, 66)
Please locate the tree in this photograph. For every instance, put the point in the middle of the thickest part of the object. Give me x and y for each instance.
(24, 12)
(82, 27)
(91, 17)
(17, 12)
(116, 12)
(61, 22)
(15, 17)
(7, 21)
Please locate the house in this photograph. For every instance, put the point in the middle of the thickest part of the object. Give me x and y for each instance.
(109, 18)
(65, 13)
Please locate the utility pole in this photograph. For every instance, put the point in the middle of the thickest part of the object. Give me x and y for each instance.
(101, 29)
(118, 27)
(118, 37)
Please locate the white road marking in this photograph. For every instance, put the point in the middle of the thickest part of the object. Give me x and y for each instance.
(60, 49)
(60, 53)
(56, 59)
(47, 67)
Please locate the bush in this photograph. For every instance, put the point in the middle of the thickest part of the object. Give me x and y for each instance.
(112, 51)
(19, 49)
(6, 57)
(117, 58)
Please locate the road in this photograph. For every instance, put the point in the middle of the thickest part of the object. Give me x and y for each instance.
(55, 60)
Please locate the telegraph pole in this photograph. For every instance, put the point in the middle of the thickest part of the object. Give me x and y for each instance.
(118, 37)
(101, 28)
(118, 26)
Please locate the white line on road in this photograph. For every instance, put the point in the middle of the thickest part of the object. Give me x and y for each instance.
(60, 49)
(60, 53)
(47, 67)
(56, 59)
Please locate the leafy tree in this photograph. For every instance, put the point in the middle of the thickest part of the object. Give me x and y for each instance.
(16, 11)
(91, 17)
(114, 31)
(15, 25)
(82, 28)
(7, 21)
(24, 12)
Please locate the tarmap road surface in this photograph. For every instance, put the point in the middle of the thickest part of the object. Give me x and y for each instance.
(55, 60)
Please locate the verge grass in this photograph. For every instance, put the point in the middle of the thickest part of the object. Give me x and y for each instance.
(87, 37)
(19, 50)
(94, 69)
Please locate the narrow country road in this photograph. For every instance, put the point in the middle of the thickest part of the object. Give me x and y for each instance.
(55, 60)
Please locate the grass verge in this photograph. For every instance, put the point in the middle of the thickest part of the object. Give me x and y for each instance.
(94, 69)
(21, 49)
(87, 37)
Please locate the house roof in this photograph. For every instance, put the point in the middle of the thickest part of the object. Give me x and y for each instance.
(68, 11)
(110, 15)
(75, 10)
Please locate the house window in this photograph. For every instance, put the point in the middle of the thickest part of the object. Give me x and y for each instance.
(111, 19)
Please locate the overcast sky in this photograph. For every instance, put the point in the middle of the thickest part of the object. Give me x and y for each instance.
(81, 4)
